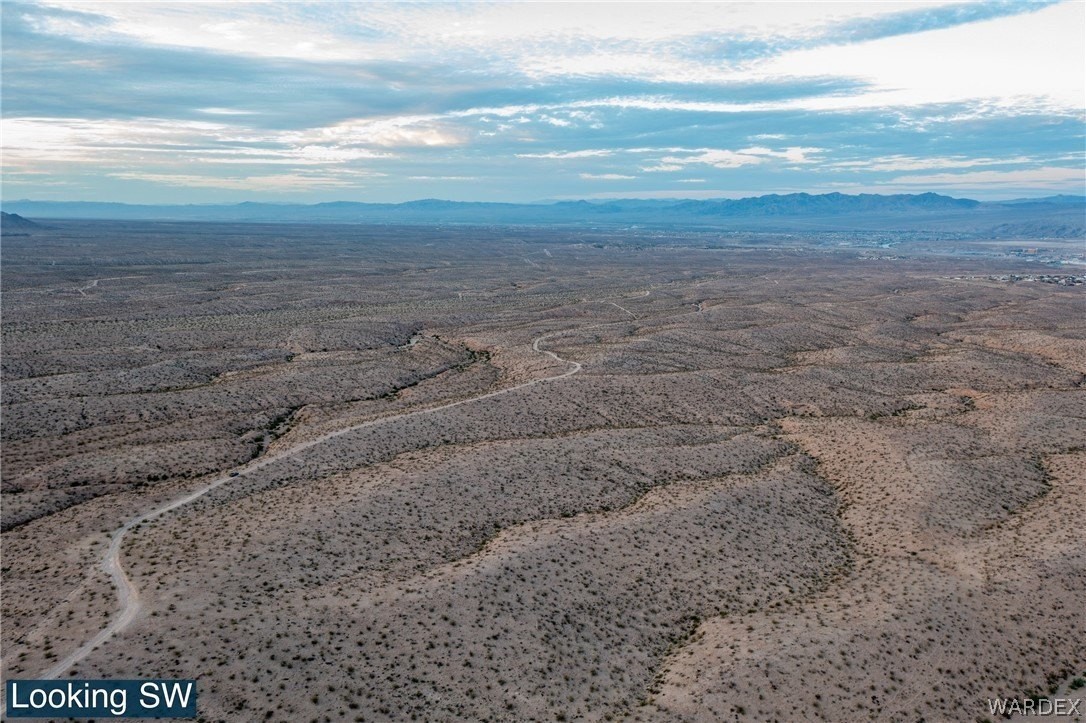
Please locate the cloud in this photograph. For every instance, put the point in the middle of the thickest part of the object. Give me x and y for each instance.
(589, 153)
(913, 163)
(658, 193)
(1047, 177)
(385, 95)
(722, 158)
(224, 111)
(640, 41)
(393, 135)
(76, 140)
(283, 182)
(1026, 60)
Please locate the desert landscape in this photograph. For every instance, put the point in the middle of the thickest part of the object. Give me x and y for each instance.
(494, 473)
(507, 361)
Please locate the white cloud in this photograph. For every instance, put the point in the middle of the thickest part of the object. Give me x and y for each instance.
(284, 182)
(392, 132)
(1033, 59)
(913, 163)
(560, 122)
(224, 111)
(660, 193)
(1028, 57)
(977, 107)
(1048, 176)
(85, 141)
(1025, 63)
(722, 158)
(599, 64)
(521, 33)
(77, 140)
(568, 154)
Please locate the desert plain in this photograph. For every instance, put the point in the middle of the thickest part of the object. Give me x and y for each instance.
(510, 474)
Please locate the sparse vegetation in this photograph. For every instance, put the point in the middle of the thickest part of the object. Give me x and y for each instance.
(785, 483)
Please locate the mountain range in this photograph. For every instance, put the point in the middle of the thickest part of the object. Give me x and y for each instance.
(10, 222)
(1057, 216)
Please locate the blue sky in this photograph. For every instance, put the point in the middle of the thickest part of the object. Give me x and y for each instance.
(208, 102)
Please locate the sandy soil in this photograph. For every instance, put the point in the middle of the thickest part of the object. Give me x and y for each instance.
(640, 479)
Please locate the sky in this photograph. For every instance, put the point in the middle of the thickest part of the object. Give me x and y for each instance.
(145, 102)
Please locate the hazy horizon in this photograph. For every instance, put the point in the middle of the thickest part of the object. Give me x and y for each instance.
(540, 202)
(306, 103)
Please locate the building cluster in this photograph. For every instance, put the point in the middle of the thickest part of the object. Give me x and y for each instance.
(1061, 279)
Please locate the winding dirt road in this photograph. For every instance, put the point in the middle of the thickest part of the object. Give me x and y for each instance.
(128, 596)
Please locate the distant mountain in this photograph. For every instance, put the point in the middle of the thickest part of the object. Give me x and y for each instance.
(14, 222)
(829, 204)
(786, 213)
(794, 204)
(1062, 198)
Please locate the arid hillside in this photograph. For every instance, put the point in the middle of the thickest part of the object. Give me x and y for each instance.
(514, 474)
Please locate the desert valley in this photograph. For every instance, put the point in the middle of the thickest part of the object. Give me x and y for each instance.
(494, 473)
